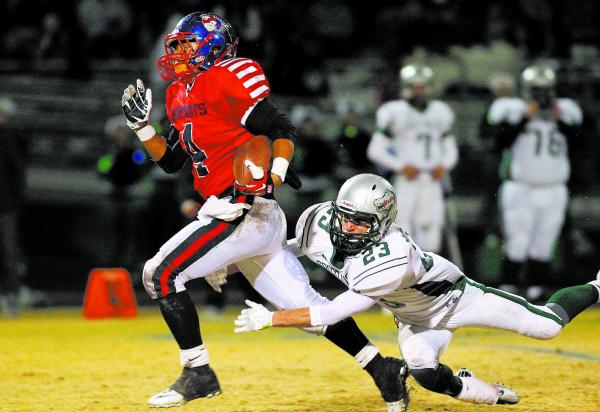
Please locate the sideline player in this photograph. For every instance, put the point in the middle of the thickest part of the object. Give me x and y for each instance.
(412, 139)
(533, 198)
(354, 238)
(217, 102)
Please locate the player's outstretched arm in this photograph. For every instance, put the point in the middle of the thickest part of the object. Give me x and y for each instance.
(257, 317)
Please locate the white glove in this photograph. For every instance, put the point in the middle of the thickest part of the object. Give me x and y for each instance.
(217, 279)
(137, 104)
(256, 317)
(222, 209)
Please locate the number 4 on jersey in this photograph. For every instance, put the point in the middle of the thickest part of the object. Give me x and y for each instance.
(198, 155)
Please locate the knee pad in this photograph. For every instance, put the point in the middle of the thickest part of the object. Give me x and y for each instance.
(419, 356)
(148, 274)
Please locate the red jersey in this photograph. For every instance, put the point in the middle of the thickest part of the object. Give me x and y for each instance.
(210, 114)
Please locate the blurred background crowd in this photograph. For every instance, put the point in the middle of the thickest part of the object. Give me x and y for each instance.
(79, 192)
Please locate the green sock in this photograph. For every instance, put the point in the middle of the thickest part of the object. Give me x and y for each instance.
(572, 300)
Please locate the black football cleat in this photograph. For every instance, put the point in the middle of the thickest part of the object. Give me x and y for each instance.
(390, 376)
(194, 383)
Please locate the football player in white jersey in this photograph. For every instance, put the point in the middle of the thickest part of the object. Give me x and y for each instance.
(412, 140)
(355, 239)
(533, 198)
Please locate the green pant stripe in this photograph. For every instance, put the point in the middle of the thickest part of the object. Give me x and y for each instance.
(517, 299)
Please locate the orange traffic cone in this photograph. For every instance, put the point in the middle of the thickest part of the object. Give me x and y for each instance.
(109, 293)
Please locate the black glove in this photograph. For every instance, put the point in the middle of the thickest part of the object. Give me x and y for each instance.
(292, 179)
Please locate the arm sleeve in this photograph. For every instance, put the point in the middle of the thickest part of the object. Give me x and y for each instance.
(506, 133)
(294, 247)
(267, 119)
(381, 152)
(342, 307)
(571, 119)
(569, 131)
(450, 157)
(175, 158)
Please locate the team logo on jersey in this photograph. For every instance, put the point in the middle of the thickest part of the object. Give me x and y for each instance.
(385, 202)
(210, 23)
(188, 111)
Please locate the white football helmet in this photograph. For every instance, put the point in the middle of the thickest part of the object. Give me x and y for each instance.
(538, 83)
(413, 77)
(365, 198)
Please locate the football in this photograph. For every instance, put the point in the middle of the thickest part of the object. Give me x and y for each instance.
(258, 151)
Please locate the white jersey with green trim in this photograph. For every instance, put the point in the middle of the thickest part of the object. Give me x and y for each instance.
(418, 287)
(540, 152)
(418, 136)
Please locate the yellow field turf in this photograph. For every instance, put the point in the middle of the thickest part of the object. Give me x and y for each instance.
(54, 360)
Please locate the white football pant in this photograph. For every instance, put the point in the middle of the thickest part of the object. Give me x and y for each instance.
(256, 245)
(420, 205)
(478, 306)
(532, 217)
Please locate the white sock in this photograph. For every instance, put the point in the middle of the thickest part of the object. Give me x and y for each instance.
(477, 391)
(366, 355)
(193, 357)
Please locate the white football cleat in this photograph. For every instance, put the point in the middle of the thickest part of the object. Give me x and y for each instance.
(477, 391)
(506, 395)
(166, 399)
(399, 406)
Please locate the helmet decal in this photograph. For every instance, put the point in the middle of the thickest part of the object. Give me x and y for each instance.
(347, 203)
(385, 202)
(210, 22)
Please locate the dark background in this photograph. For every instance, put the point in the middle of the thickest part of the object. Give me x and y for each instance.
(65, 64)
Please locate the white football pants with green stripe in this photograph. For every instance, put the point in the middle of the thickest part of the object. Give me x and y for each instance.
(478, 306)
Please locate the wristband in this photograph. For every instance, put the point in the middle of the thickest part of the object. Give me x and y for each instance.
(315, 316)
(146, 133)
(280, 167)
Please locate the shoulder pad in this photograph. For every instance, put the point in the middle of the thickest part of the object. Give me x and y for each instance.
(305, 221)
(570, 112)
(249, 73)
(376, 274)
(506, 109)
(443, 114)
(394, 109)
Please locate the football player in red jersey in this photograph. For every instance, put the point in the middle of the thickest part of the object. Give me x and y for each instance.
(216, 103)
